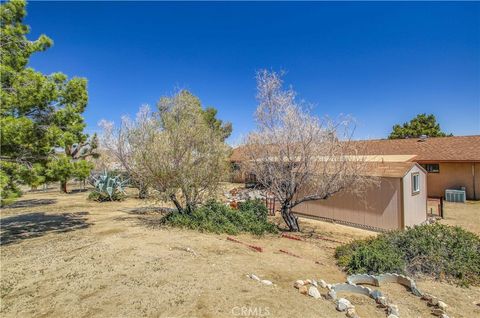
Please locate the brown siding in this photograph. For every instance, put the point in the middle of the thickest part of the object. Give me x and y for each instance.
(379, 207)
(454, 175)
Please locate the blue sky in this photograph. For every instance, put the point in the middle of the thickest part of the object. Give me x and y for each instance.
(382, 63)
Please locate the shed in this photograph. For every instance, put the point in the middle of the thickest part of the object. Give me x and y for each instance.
(398, 201)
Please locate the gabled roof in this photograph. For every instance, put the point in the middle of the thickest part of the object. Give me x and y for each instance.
(438, 149)
(389, 169)
(461, 148)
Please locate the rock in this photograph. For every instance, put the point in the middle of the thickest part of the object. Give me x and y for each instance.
(376, 294)
(307, 281)
(393, 310)
(433, 301)
(266, 282)
(329, 286)
(313, 291)
(438, 312)
(323, 283)
(343, 304)
(314, 283)
(303, 290)
(444, 316)
(442, 305)
(351, 313)
(382, 301)
(392, 316)
(332, 295)
(298, 284)
(254, 277)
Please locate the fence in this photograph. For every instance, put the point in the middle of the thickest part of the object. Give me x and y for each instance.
(435, 206)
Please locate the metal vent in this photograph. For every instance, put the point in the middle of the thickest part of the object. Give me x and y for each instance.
(455, 195)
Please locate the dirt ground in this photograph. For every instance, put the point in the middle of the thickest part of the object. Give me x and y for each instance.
(64, 256)
(466, 215)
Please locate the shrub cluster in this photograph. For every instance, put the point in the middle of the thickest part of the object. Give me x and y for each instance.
(216, 217)
(441, 251)
(103, 196)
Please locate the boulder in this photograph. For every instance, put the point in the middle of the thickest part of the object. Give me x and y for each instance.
(343, 304)
(313, 291)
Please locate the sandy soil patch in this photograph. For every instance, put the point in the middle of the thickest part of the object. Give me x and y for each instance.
(63, 256)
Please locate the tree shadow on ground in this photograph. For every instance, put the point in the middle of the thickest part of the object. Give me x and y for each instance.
(30, 203)
(20, 227)
(151, 217)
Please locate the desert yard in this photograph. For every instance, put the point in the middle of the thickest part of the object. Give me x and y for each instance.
(64, 256)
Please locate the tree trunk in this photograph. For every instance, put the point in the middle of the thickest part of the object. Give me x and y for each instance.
(177, 204)
(63, 186)
(142, 192)
(290, 219)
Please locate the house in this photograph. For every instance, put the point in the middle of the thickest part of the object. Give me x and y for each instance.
(409, 170)
(450, 162)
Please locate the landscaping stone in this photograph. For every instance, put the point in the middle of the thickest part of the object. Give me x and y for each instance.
(351, 313)
(393, 310)
(313, 291)
(303, 290)
(266, 282)
(344, 287)
(329, 286)
(307, 281)
(392, 316)
(299, 283)
(254, 277)
(323, 283)
(332, 295)
(382, 301)
(433, 301)
(444, 316)
(343, 304)
(363, 279)
(376, 294)
(314, 283)
(442, 305)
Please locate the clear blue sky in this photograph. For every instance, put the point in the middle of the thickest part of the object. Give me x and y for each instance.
(382, 63)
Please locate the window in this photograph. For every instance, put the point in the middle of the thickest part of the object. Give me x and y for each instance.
(415, 183)
(432, 167)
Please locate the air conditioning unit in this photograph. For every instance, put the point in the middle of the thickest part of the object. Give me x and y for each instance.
(455, 195)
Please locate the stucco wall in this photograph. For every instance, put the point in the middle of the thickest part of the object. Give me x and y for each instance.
(454, 175)
(414, 204)
(379, 207)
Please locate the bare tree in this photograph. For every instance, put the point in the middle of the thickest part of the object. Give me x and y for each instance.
(296, 156)
(180, 155)
(119, 143)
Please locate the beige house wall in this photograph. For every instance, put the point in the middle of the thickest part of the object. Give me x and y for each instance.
(379, 207)
(454, 175)
(414, 204)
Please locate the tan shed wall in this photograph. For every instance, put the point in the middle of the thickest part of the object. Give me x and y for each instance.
(414, 205)
(379, 207)
(455, 175)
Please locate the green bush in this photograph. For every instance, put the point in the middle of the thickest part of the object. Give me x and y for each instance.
(437, 250)
(103, 196)
(218, 218)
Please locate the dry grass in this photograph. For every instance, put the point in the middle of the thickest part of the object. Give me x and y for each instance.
(466, 215)
(64, 256)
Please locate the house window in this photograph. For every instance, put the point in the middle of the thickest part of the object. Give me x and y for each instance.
(432, 167)
(415, 183)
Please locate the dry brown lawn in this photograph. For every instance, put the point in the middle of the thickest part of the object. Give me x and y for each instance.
(64, 256)
(466, 215)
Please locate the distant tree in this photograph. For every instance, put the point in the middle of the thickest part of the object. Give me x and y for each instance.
(33, 176)
(82, 169)
(60, 169)
(179, 153)
(422, 124)
(210, 115)
(294, 155)
(38, 112)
